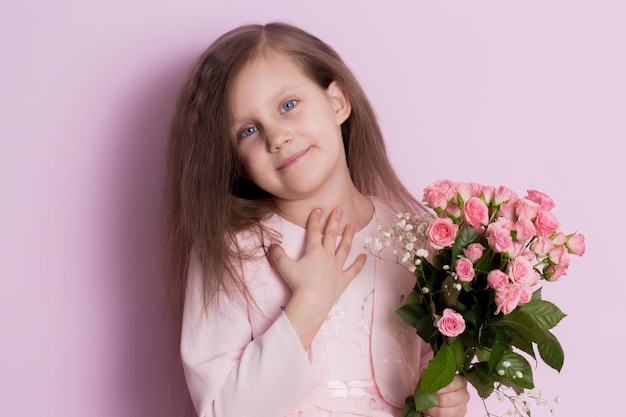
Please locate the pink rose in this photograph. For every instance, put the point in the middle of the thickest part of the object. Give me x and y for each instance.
(504, 223)
(544, 200)
(441, 233)
(546, 223)
(542, 246)
(558, 239)
(530, 255)
(453, 210)
(554, 272)
(497, 279)
(520, 271)
(508, 298)
(474, 252)
(464, 190)
(451, 323)
(559, 256)
(507, 211)
(464, 270)
(526, 208)
(498, 237)
(524, 228)
(516, 249)
(437, 194)
(575, 244)
(487, 194)
(476, 188)
(526, 293)
(475, 212)
(504, 195)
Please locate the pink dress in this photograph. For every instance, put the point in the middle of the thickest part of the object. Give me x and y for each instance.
(241, 359)
(351, 387)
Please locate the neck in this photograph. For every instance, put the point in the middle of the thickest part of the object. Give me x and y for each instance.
(357, 208)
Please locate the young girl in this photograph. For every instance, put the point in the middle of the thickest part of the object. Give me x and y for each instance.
(277, 173)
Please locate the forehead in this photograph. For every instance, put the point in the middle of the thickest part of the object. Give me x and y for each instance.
(264, 72)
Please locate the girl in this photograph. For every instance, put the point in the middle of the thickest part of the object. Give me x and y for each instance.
(277, 173)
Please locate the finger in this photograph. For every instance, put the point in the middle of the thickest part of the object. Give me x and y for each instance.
(313, 227)
(343, 250)
(278, 256)
(458, 383)
(331, 231)
(356, 267)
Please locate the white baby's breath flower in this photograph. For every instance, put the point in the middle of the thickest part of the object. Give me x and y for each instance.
(409, 247)
(500, 395)
(412, 268)
(422, 253)
(457, 286)
(446, 267)
(519, 374)
(405, 257)
(506, 364)
(425, 290)
(417, 261)
(501, 372)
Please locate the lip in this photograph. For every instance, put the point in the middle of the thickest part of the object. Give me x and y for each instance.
(292, 159)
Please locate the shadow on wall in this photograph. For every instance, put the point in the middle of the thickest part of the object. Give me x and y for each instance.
(150, 381)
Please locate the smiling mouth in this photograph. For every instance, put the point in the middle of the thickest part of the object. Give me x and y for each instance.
(293, 159)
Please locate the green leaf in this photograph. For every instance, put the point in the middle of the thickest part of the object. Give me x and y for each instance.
(517, 364)
(497, 350)
(424, 401)
(488, 262)
(412, 313)
(551, 352)
(409, 407)
(450, 294)
(480, 379)
(465, 237)
(440, 260)
(438, 374)
(523, 325)
(546, 314)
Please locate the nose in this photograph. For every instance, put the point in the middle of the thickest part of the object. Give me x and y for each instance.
(277, 138)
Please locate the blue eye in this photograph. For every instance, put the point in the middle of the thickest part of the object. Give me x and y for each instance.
(288, 105)
(249, 131)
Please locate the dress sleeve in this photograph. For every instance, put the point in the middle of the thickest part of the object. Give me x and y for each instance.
(230, 373)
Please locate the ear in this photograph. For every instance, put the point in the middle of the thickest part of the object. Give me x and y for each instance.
(339, 100)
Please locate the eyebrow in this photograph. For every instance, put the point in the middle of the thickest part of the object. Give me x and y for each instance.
(276, 95)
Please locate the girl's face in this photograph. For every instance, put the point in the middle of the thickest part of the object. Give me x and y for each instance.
(287, 129)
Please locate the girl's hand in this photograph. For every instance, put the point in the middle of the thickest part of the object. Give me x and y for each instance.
(453, 400)
(318, 278)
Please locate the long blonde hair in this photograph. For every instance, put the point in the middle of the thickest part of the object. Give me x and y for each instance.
(207, 201)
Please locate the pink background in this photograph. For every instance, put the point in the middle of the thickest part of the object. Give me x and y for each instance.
(529, 94)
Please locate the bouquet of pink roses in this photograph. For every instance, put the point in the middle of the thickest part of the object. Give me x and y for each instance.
(476, 300)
